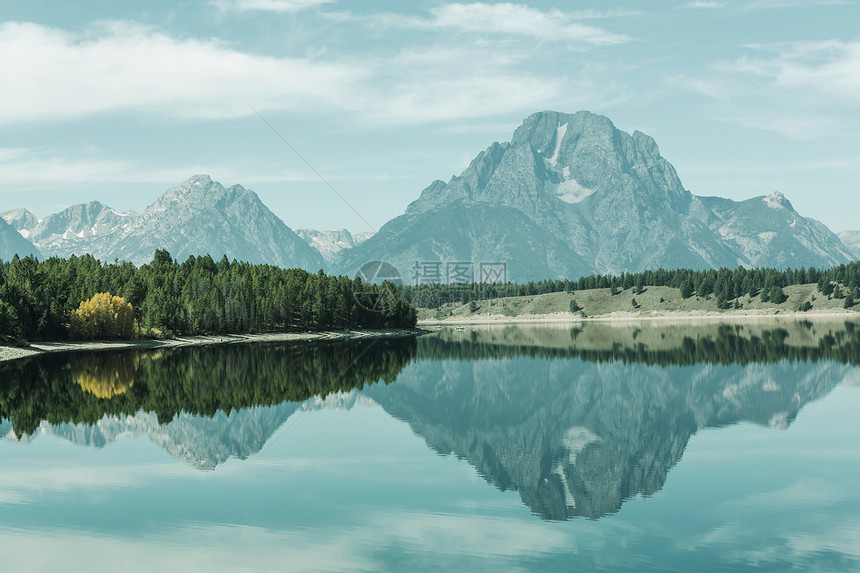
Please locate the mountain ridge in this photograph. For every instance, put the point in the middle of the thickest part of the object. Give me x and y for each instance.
(851, 240)
(71, 229)
(570, 195)
(197, 217)
(330, 243)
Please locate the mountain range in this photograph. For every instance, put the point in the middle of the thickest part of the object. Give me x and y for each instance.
(568, 196)
(198, 216)
(74, 230)
(571, 195)
(331, 243)
(851, 239)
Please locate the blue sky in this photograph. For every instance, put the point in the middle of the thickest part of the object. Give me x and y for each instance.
(118, 101)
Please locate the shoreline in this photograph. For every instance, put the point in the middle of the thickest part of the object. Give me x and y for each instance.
(620, 317)
(12, 353)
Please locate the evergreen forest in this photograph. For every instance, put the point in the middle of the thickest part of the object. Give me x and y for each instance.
(726, 285)
(39, 299)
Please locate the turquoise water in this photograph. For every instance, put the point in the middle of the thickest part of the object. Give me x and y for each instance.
(597, 448)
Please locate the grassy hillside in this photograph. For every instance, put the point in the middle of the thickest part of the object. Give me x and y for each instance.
(652, 302)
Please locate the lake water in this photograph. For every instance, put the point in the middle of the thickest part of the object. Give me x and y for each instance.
(600, 447)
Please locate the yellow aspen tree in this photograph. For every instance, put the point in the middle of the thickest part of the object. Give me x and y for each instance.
(103, 317)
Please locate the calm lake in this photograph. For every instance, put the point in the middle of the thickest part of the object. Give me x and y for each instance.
(640, 447)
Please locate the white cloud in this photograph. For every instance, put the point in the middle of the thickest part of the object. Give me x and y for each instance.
(30, 168)
(119, 66)
(36, 169)
(602, 14)
(827, 67)
(11, 153)
(802, 90)
(494, 95)
(705, 4)
(769, 4)
(284, 6)
(509, 19)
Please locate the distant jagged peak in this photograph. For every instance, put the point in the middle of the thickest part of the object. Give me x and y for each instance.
(566, 156)
(195, 183)
(566, 140)
(539, 129)
(87, 210)
(362, 236)
(19, 215)
(201, 192)
(777, 200)
(198, 179)
(331, 242)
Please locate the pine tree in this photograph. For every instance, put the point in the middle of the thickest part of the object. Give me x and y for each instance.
(687, 289)
(777, 296)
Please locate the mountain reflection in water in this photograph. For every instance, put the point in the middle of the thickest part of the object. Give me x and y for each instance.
(576, 420)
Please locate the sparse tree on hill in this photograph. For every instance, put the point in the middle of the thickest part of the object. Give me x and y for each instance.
(777, 296)
(687, 289)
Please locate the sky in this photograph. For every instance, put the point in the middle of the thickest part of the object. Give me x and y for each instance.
(339, 112)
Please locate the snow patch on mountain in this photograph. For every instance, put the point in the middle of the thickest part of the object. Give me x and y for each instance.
(559, 136)
(570, 191)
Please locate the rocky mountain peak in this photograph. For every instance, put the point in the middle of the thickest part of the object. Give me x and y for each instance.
(198, 216)
(330, 243)
(541, 130)
(191, 190)
(70, 230)
(21, 219)
(200, 179)
(201, 194)
(201, 216)
(777, 200)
